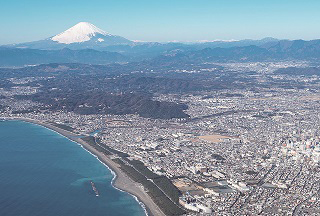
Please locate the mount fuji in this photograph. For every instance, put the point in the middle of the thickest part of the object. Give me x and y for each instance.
(83, 35)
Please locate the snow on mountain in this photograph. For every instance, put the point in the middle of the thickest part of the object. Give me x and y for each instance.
(83, 35)
(81, 32)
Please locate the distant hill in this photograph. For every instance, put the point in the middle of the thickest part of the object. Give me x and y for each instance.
(298, 49)
(99, 89)
(85, 43)
(270, 51)
(10, 57)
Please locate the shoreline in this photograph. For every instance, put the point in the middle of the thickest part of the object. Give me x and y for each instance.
(120, 180)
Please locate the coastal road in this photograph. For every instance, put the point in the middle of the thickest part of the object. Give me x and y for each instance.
(97, 143)
(126, 162)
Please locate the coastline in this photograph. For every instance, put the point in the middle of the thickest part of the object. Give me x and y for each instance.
(120, 180)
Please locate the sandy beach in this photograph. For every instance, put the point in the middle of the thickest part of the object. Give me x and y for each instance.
(121, 180)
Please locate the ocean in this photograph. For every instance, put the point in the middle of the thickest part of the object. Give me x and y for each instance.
(45, 174)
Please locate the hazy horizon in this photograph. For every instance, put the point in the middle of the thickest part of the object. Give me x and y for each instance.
(165, 21)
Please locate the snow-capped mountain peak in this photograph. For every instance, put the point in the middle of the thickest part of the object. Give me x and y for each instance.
(81, 32)
(84, 35)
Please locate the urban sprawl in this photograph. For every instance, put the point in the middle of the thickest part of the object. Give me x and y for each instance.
(241, 152)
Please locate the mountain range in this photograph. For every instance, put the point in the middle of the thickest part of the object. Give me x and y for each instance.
(86, 43)
(17, 57)
(85, 35)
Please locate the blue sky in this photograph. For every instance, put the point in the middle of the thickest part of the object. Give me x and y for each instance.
(163, 20)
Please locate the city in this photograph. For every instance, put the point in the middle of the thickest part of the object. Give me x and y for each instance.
(251, 151)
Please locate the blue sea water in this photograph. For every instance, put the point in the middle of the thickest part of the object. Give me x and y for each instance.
(44, 174)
